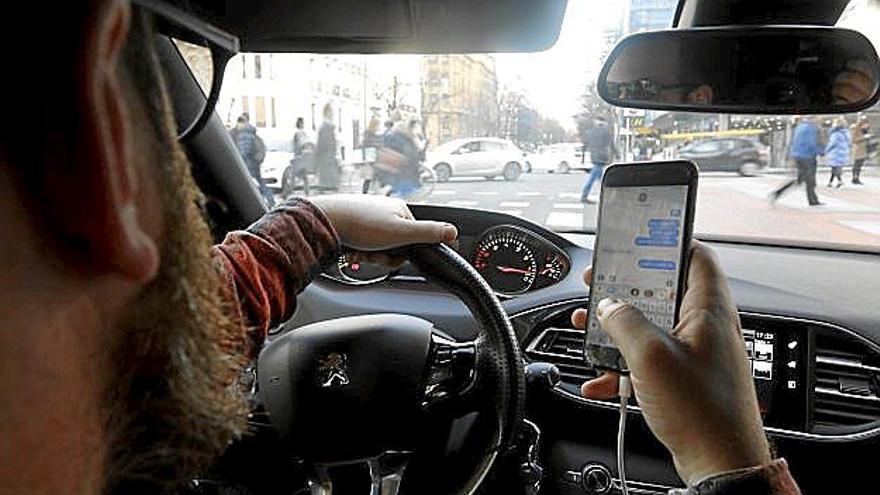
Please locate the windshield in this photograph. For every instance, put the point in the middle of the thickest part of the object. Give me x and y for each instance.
(504, 131)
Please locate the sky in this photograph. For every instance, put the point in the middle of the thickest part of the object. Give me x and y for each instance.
(554, 79)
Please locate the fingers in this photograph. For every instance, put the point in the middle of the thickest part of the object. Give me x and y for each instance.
(588, 276)
(706, 287)
(579, 318)
(635, 336)
(425, 232)
(604, 387)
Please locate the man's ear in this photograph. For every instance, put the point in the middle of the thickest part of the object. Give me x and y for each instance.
(93, 201)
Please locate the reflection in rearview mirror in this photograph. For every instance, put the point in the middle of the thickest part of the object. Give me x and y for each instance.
(743, 70)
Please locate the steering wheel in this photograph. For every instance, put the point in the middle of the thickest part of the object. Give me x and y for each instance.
(388, 389)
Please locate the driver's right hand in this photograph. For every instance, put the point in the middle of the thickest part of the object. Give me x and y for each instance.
(693, 385)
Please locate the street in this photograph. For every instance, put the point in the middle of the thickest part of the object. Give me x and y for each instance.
(727, 205)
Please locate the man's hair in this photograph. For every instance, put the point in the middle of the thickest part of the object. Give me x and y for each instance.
(244, 118)
(299, 123)
(40, 91)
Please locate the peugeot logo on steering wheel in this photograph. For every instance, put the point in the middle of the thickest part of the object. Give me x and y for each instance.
(332, 370)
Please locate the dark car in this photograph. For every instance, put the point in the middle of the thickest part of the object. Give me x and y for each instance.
(741, 155)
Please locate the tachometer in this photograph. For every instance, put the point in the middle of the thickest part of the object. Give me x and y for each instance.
(506, 261)
(555, 267)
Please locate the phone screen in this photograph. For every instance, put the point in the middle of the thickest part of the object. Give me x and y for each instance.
(638, 255)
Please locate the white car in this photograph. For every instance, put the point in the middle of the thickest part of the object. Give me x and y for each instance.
(279, 152)
(560, 158)
(476, 157)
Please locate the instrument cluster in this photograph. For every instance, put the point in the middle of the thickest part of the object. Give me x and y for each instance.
(512, 259)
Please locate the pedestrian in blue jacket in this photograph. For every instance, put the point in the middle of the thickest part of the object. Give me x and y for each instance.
(805, 147)
(838, 151)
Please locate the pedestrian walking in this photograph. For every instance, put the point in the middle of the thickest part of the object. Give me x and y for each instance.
(253, 151)
(326, 164)
(805, 147)
(300, 138)
(600, 143)
(859, 133)
(370, 147)
(302, 164)
(402, 140)
(838, 151)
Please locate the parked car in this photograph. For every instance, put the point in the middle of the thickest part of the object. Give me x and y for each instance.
(279, 152)
(742, 155)
(560, 158)
(475, 157)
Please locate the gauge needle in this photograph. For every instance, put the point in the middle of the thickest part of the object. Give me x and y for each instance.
(510, 269)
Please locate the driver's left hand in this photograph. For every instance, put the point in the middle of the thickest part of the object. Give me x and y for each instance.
(377, 223)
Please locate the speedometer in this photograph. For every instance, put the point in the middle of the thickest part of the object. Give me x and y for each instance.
(506, 261)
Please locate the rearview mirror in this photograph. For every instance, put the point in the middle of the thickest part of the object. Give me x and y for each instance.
(778, 70)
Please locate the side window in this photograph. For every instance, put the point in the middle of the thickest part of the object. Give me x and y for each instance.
(707, 146)
(472, 146)
(491, 146)
(730, 145)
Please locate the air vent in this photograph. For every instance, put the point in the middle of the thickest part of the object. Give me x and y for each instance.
(563, 347)
(847, 385)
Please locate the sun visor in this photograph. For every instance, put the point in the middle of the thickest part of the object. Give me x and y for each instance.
(389, 26)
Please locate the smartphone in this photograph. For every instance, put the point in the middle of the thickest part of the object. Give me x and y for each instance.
(646, 217)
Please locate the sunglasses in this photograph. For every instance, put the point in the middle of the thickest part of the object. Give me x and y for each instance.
(205, 48)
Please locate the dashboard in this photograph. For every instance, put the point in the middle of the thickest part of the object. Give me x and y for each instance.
(513, 259)
(811, 328)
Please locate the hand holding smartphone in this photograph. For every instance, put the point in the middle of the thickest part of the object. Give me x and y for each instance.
(646, 216)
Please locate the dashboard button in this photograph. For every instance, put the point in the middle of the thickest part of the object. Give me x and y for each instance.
(596, 479)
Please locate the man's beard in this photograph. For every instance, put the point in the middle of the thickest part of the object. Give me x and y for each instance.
(172, 403)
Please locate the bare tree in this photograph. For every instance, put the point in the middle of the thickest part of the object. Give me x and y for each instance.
(509, 103)
(592, 106)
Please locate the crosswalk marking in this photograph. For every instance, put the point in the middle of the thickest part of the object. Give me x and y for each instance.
(863, 225)
(443, 192)
(485, 193)
(565, 219)
(462, 202)
(564, 195)
(568, 206)
(528, 193)
(796, 198)
(514, 204)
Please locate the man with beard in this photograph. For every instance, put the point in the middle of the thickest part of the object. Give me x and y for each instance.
(121, 340)
(123, 329)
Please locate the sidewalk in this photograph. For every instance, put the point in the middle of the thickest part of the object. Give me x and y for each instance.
(868, 168)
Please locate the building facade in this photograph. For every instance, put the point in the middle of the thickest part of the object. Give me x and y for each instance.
(458, 97)
(277, 89)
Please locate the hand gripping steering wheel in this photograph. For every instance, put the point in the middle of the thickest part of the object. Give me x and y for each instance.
(397, 393)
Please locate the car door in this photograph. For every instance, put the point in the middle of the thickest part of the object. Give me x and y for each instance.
(487, 156)
(705, 153)
(728, 157)
(467, 158)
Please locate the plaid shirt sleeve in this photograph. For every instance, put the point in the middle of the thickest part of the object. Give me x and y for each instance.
(267, 265)
(771, 479)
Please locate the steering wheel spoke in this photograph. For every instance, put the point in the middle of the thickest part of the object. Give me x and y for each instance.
(386, 472)
(451, 369)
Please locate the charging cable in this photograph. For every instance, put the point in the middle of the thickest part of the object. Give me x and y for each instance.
(624, 392)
